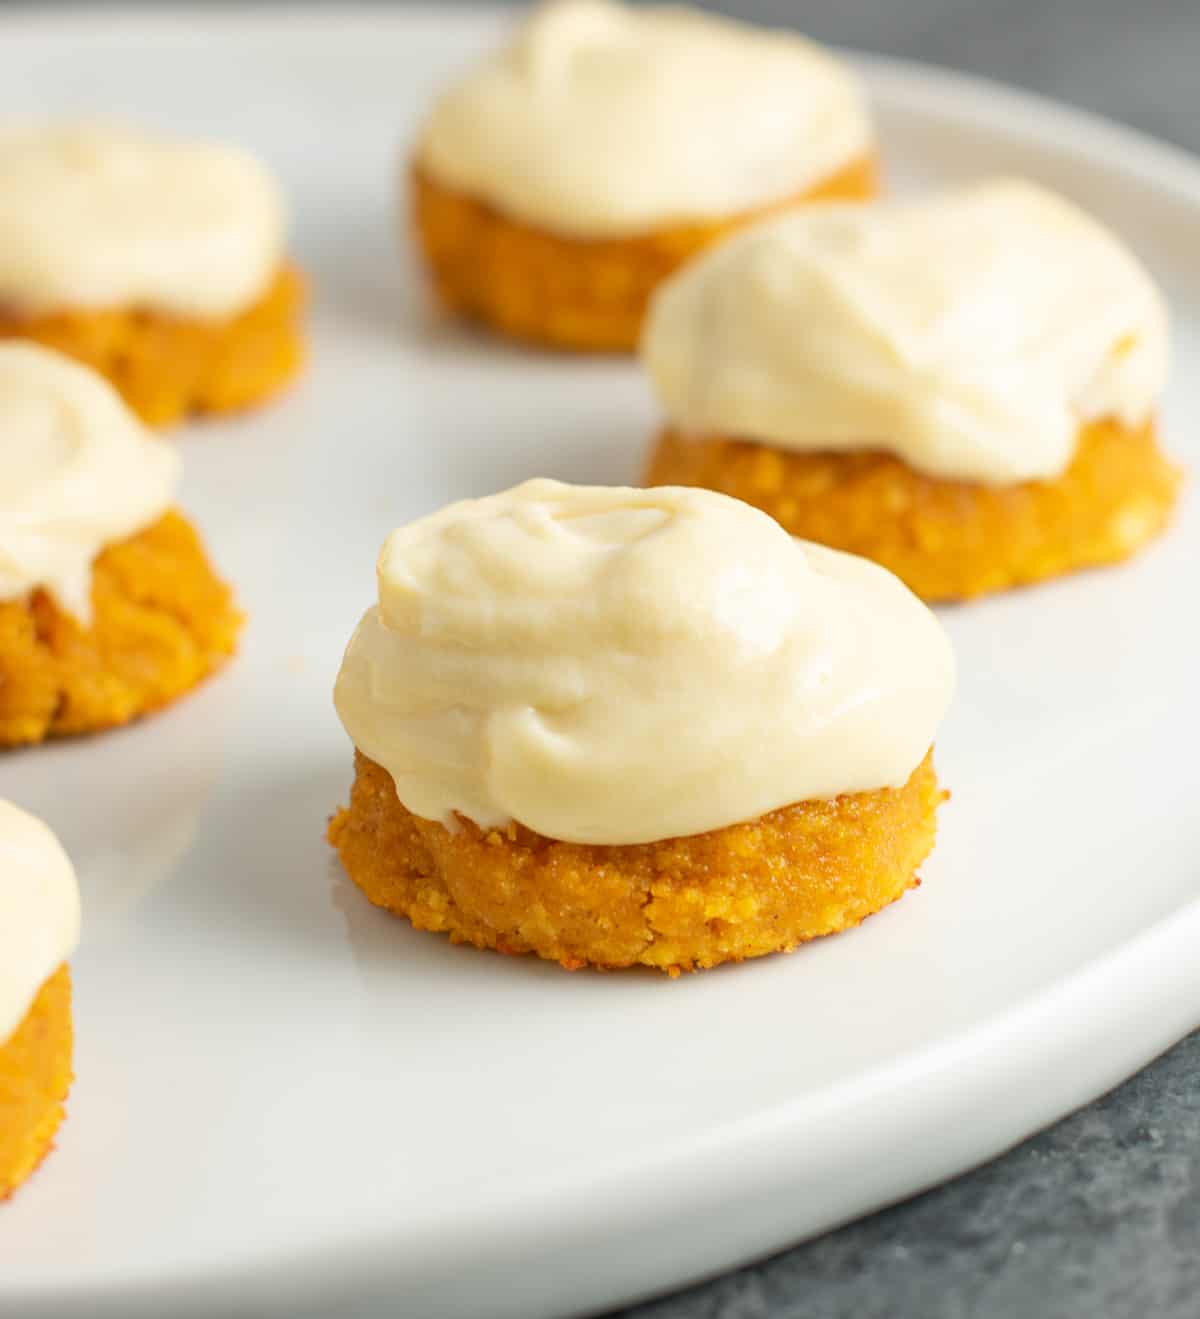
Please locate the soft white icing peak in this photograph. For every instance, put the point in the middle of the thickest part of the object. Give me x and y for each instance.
(602, 120)
(94, 215)
(77, 471)
(39, 912)
(618, 666)
(970, 333)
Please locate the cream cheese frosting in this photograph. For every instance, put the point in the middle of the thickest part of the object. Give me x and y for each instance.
(39, 912)
(97, 215)
(77, 471)
(599, 120)
(970, 333)
(619, 666)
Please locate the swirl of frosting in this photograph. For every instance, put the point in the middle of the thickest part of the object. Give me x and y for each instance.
(600, 120)
(77, 471)
(98, 216)
(619, 666)
(39, 912)
(970, 334)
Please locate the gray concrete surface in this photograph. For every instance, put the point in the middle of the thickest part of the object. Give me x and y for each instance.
(1098, 1218)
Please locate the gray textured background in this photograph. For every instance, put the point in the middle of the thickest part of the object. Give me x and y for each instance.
(1098, 1218)
(1133, 60)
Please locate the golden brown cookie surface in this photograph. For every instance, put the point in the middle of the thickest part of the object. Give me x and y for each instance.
(945, 539)
(162, 621)
(682, 904)
(35, 1075)
(586, 295)
(168, 366)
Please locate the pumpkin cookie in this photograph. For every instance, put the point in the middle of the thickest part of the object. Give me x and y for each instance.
(39, 929)
(618, 727)
(160, 264)
(109, 607)
(562, 180)
(962, 388)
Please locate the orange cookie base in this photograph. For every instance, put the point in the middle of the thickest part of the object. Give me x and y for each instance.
(571, 293)
(161, 622)
(168, 366)
(794, 874)
(35, 1075)
(946, 539)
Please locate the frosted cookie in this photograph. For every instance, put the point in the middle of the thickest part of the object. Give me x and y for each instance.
(604, 146)
(108, 605)
(617, 727)
(962, 388)
(159, 263)
(39, 930)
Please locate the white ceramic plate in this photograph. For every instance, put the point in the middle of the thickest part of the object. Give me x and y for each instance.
(288, 1102)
